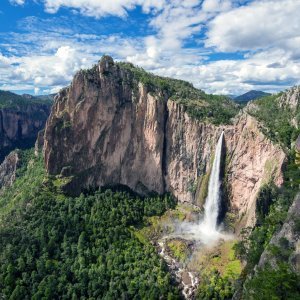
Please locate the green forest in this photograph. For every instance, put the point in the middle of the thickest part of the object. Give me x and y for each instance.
(53, 246)
(13, 101)
(57, 247)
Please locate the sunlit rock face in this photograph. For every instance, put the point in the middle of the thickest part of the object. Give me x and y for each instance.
(107, 131)
(289, 100)
(253, 160)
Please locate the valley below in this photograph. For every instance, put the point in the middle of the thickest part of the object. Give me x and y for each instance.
(144, 187)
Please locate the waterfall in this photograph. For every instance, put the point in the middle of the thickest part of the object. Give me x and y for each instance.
(206, 231)
(212, 202)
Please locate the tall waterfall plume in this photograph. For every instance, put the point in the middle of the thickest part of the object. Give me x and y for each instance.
(206, 230)
(212, 203)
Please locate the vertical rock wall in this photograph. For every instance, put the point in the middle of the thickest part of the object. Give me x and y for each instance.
(106, 131)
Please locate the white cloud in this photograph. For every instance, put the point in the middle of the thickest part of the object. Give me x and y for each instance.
(96, 8)
(50, 69)
(4, 61)
(216, 5)
(42, 71)
(99, 8)
(174, 25)
(53, 90)
(37, 91)
(17, 2)
(261, 24)
(48, 55)
(53, 57)
(238, 76)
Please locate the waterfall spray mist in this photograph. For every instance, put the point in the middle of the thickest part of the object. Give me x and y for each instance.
(205, 235)
(206, 230)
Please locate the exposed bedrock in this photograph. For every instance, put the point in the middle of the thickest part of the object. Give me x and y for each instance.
(106, 129)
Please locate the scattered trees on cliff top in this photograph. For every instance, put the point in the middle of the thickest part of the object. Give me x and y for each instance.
(201, 106)
(276, 120)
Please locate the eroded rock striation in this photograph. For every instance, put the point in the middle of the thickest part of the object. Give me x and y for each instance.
(252, 161)
(107, 129)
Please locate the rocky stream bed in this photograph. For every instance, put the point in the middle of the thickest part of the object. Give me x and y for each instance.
(188, 281)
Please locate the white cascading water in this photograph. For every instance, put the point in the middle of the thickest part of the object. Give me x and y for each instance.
(206, 230)
(211, 206)
(208, 226)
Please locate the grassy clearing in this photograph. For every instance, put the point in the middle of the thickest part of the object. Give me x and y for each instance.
(156, 227)
(220, 258)
(179, 249)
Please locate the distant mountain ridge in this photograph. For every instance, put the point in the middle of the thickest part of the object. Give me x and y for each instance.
(251, 95)
(12, 100)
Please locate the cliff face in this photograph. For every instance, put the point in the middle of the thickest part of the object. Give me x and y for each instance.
(106, 131)
(252, 160)
(189, 146)
(8, 169)
(290, 99)
(19, 126)
(286, 240)
(105, 135)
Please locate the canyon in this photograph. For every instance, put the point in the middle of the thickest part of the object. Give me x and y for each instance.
(106, 129)
(212, 181)
(20, 123)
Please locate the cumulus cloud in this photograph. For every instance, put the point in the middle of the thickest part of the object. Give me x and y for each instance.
(260, 25)
(47, 70)
(266, 32)
(48, 59)
(96, 8)
(216, 5)
(174, 25)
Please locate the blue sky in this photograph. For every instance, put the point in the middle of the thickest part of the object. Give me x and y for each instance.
(221, 46)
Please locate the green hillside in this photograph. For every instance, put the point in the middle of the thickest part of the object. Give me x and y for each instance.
(12, 100)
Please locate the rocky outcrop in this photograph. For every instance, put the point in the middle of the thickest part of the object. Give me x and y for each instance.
(39, 143)
(105, 134)
(8, 169)
(252, 160)
(290, 99)
(286, 240)
(19, 126)
(105, 129)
